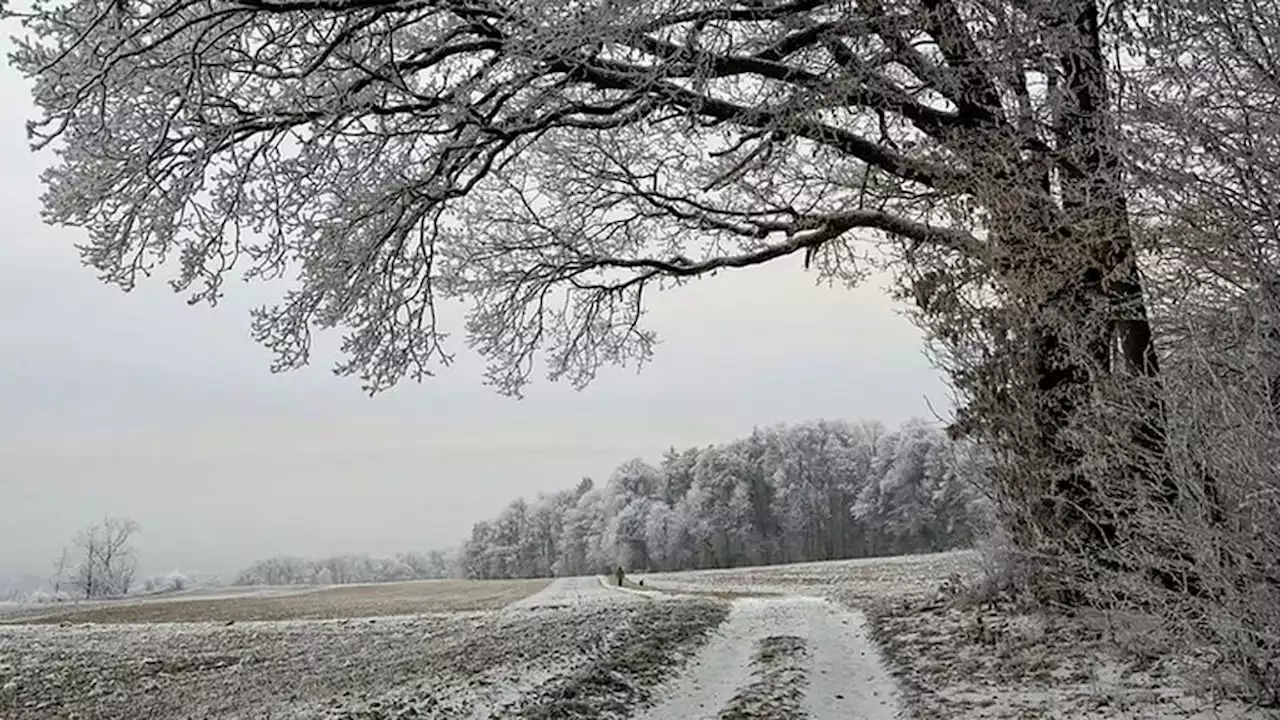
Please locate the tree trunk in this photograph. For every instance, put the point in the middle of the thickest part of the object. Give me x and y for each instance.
(1093, 327)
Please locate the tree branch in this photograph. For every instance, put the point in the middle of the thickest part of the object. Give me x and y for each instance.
(979, 98)
(609, 74)
(810, 232)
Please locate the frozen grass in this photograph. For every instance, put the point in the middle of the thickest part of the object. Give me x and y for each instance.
(977, 661)
(27, 611)
(562, 660)
(344, 601)
(859, 582)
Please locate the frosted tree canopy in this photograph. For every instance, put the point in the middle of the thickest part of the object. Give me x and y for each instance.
(547, 162)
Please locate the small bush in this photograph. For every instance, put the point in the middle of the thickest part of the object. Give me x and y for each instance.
(41, 597)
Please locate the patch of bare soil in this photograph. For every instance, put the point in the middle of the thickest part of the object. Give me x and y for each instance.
(344, 601)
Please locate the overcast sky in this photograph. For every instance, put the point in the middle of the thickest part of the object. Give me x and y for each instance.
(136, 404)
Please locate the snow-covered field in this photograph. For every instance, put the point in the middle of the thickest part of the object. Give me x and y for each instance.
(774, 642)
(852, 582)
(577, 650)
(572, 648)
(297, 603)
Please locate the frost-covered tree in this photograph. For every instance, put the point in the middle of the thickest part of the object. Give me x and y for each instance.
(719, 516)
(899, 499)
(782, 494)
(757, 493)
(583, 536)
(818, 469)
(631, 493)
(61, 567)
(433, 564)
(551, 162)
(347, 569)
(278, 570)
(677, 473)
(170, 582)
(546, 528)
(667, 537)
(105, 560)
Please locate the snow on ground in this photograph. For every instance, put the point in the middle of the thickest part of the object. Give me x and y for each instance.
(575, 648)
(986, 663)
(714, 676)
(854, 582)
(30, 610)
(597, 656)
(787, 657)
(573, 592)
(326, 602)
(239, 591)
(990, 663)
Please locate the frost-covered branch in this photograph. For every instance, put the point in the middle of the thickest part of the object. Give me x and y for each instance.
(542, 158)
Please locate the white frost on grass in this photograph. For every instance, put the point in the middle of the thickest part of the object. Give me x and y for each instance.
(240, 591)
(573, 592)
(849, 581)
(990, 663)
(458, 665)
(28, 612)
(845, 676)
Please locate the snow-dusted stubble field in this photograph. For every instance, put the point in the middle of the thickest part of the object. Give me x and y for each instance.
(445, 649)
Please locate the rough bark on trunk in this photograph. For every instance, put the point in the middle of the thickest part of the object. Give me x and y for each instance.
(1095, 328)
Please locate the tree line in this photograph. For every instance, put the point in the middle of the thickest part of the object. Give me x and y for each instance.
(823, 490)
(348, 569)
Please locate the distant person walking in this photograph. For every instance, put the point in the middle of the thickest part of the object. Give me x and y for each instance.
(620, 575)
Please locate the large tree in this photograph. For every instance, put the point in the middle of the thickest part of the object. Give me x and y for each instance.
(551, 161)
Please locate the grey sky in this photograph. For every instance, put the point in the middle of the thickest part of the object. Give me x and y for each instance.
(140, 405)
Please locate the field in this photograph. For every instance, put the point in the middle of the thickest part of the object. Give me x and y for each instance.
(345, 601)
(471, 649)
(814, 641)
